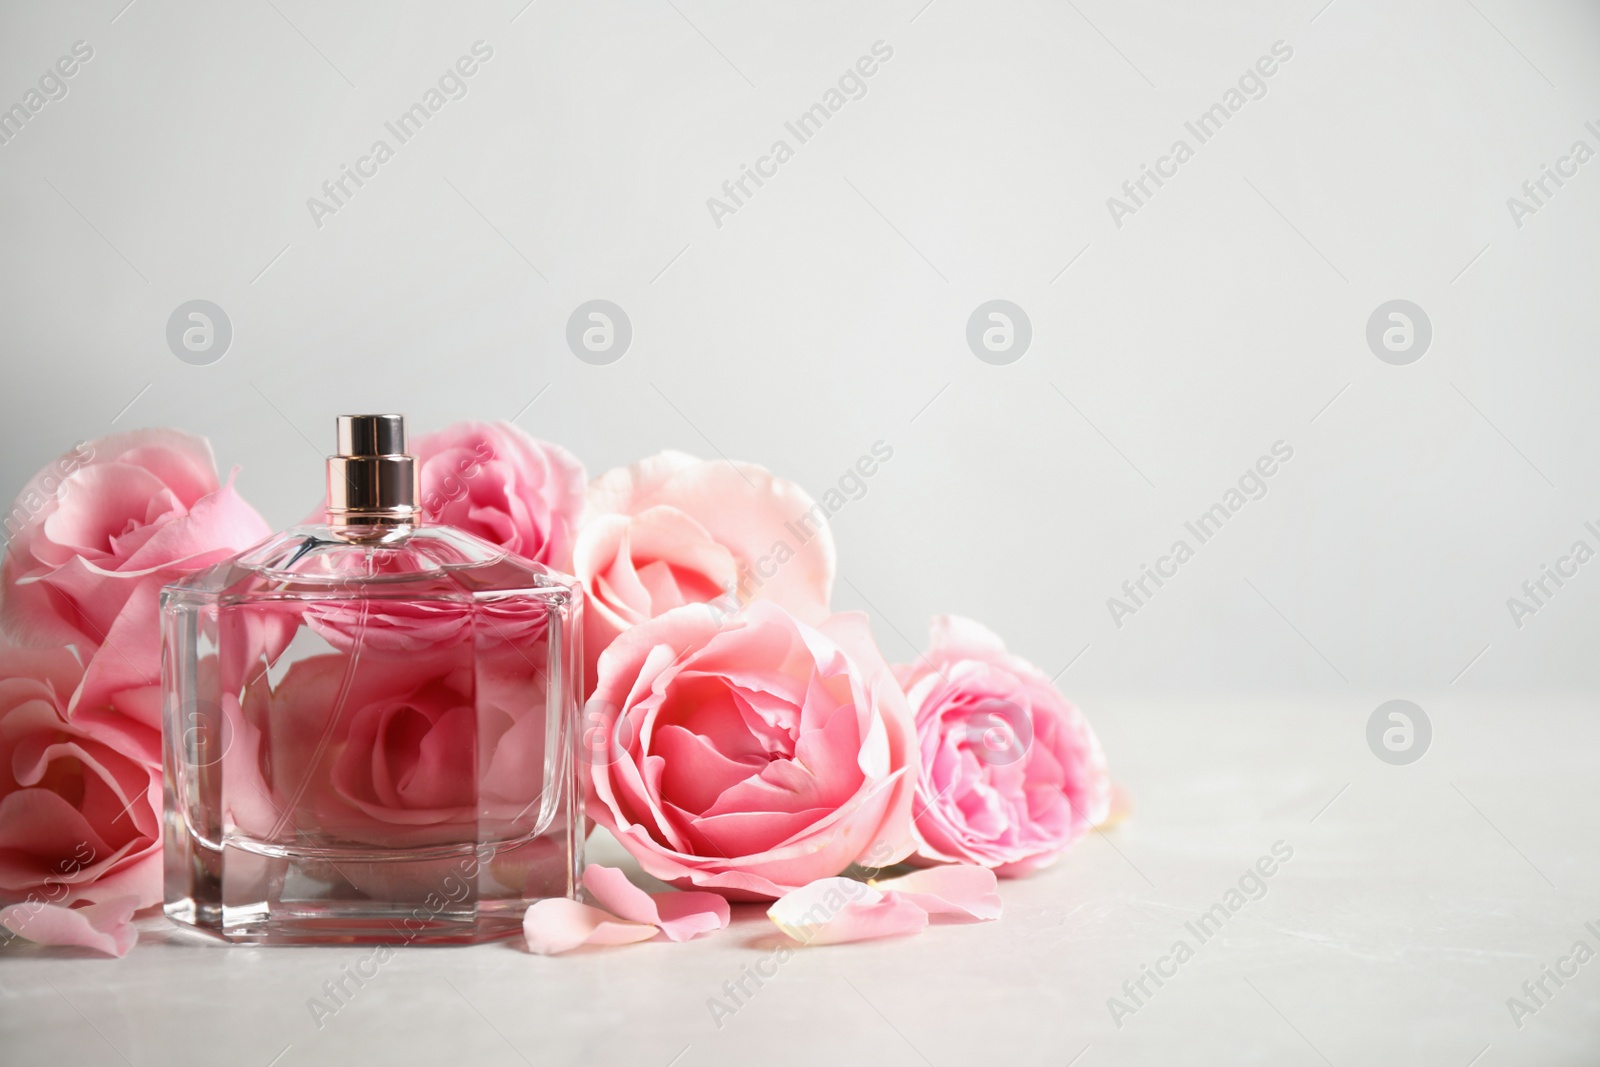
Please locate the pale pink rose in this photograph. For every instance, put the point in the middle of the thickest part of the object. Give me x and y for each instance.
(408, 758)
(87, 564)
(674, 530)
(381, 752)
(750, 754)
(80, 810)
(495, 481)
(1011, 773)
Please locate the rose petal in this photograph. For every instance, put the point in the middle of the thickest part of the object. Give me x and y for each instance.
(102, 927)
(832, 911)
(217, 526)
(680, 915)
(95, 509)
(560, 925)
(685, 915)
(1121, 807)
(962, 889)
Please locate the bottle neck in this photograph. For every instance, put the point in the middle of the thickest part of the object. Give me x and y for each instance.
(372, 497)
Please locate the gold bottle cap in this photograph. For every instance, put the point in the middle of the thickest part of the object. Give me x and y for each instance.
(372, 482)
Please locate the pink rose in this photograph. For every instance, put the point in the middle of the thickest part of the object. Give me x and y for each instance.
(495, 481)
(401, 745)
(1011, 773)
(381, 752)
(673, 530)
(94, 546)
(80, 811)
(750, 755)
(398, 625)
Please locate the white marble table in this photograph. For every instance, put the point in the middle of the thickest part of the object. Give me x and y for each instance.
(1418, 899)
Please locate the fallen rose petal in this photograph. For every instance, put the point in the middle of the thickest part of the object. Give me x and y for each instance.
(686, 915)
(560, 925)
(102, 927)
(1121, 807)
(680, 915)
(958, 889)
(832, 911)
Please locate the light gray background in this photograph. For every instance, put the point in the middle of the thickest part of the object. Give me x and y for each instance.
(806, 328)
(830, 312)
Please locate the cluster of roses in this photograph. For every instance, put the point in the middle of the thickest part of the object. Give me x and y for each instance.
(741, 740)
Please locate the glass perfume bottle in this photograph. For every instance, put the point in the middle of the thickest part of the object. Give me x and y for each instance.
(370, 724)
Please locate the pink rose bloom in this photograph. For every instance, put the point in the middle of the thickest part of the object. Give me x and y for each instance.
(674, 530)
(391, 748)
(80, 811)
(495, 481)
(407, 626)
(1011, 772)
(382, 753)
(750, 755)
(87, 563)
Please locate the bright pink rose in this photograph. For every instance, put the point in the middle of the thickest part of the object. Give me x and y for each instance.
(495, 481)
(93, 547)
(673, 530)
(750, 755)
(1011, 773)
(80, 818)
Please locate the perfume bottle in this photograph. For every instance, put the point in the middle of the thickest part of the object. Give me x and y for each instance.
(370, 724)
